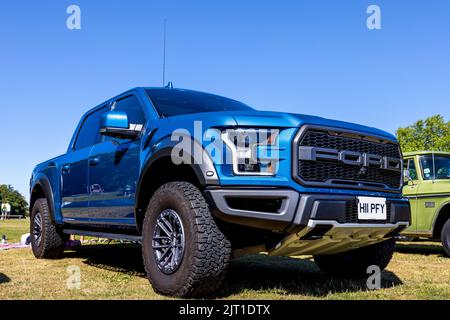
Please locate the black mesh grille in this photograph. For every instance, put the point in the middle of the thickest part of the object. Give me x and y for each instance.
(322, 171)
(324, 140)
(351, 214)
(339, 173)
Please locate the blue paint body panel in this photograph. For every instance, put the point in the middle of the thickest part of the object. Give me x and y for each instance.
(99, 184)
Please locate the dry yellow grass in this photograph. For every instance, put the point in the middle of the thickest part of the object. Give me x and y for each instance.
(418, 270)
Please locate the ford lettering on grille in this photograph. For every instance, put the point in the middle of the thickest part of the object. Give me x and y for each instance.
(329, 157)
(349, 157)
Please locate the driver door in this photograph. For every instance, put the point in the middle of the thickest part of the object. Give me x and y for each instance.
(114, 167)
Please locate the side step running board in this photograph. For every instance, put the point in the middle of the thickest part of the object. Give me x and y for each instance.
(113, 236)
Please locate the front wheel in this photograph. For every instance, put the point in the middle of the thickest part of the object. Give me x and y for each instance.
(445, 237)
(184, 252)
(354, 263)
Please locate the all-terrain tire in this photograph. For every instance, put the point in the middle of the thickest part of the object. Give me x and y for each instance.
(207, 251)
(445, 237)
(51, 243)
(354, 263)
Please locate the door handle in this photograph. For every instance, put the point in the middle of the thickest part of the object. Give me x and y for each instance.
(65, 169)
(94, 161)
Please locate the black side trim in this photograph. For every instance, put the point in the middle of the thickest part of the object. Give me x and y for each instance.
(257, 216)
(329, 210)
(42, 181)
(114, 236)
(400, 212)
(440, 195)
(201, 170)
(328, 207)
(296, 209)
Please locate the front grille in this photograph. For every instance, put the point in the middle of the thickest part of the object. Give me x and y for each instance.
(323, 139)
(351, 214)
(322, 171)
(333, 173)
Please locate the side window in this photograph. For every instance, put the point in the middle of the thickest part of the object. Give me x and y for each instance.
(135, 114)
(88, 134)
(133, 108)
(412, 169)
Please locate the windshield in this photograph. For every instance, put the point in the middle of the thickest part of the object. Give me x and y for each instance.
(174, 102)
(441, 166)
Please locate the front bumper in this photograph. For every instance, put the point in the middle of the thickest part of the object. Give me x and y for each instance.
(314, 223)
(289, 211)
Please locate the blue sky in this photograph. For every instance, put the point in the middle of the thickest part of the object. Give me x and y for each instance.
(315, 57)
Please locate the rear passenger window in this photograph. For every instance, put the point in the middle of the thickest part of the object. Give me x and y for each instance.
(87, 136)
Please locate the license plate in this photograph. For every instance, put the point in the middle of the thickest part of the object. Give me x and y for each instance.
(370, 208)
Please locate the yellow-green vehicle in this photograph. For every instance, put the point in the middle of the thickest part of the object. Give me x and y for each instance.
(427, 185)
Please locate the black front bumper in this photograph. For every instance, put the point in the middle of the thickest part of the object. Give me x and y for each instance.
(290, 211)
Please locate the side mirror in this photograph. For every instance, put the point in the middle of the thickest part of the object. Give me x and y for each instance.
(407, 178)
(115, 124)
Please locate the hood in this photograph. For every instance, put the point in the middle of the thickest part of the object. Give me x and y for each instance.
(271, 119)
(278, 119)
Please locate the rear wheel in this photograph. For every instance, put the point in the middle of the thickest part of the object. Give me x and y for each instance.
(445, 237)
(184, 252)
(354, 263)
(46, 240)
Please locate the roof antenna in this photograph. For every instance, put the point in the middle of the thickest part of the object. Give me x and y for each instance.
(164, 56)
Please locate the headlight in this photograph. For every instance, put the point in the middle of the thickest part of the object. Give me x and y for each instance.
(253, 151)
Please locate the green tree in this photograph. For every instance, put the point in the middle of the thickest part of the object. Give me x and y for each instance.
(431, 134)
(17, 201)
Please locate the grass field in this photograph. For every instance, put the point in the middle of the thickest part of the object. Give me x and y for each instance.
(13, 229)
(418, 270)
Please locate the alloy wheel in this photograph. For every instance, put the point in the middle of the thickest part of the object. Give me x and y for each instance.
(168, 241)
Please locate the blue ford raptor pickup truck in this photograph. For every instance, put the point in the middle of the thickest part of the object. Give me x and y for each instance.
(199, 179)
